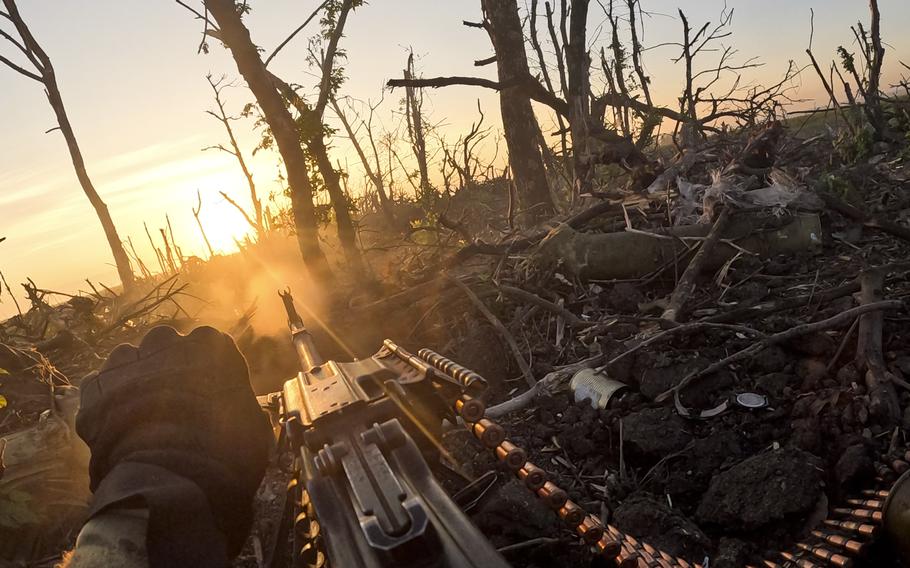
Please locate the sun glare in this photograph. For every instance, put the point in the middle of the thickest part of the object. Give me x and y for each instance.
(224, 225)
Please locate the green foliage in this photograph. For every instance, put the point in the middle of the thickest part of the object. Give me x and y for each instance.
(852, 148)
(847, 60)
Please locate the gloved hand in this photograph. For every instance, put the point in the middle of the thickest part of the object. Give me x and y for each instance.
(174, 427)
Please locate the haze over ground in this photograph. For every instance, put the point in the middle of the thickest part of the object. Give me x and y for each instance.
(136, 94)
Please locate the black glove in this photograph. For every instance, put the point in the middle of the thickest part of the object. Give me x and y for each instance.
(174, 426)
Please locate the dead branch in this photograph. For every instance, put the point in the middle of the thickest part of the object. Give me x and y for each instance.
(547, 383)
(498, 325)
(781, 337)
(196, 211)
(530, 87)
(883, 402)
(687, 282)
(683, 329)
(296, 31)
(225, 120)
(571, 319)
(239, 208)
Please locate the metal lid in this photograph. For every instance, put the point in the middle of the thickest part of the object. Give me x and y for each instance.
(751, 400)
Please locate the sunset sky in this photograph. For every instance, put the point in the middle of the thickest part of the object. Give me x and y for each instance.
(136, 94)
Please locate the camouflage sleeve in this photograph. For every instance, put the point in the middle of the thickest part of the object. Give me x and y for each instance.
(112, 538)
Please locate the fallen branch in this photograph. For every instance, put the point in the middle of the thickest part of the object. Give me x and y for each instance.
(571, 319)
(765, 308)
(783, 336)
(546, 383)
(883, 402)
(687, 282)
(498, 325)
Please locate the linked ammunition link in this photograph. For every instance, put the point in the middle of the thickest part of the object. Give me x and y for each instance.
(840, 539)
(307, 537)
(624, 550)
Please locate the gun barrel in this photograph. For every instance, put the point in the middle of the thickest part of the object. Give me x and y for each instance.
(304, 344)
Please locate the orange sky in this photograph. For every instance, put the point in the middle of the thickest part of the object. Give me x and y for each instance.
(136, 92)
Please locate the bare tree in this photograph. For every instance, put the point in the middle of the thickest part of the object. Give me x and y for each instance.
(44, 73)
(234, 34)
(374, 169)
(225, 119)
(413, 113)
(196, 211)
(519, 123)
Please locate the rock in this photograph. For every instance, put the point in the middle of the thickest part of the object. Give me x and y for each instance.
(854, 468)
(650, 519)
(689, 477)
(780, 265)
(625, 298)
(815, 344)
(513, 514)
(773, 384)
(770, 360)
(806, 434)
(731, 553)
(811, 371)
(761, 490)
(655, 432)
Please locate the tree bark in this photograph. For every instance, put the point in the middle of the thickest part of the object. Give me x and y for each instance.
(341, 205)
(315, 143)
(578, 64)
(414, 116)
(522, 132)
(121, 260)
(237, 38)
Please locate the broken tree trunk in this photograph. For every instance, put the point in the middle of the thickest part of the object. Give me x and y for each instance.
(883, 403)
(635, 254)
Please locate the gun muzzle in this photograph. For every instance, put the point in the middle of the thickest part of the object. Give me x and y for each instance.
(303, 342)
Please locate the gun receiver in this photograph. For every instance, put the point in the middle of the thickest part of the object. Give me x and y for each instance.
(359, 431)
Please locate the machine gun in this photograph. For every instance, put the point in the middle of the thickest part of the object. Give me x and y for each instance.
(363, 495)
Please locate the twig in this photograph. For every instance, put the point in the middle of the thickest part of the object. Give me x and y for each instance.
(539, 541)
(494, 321)
(678, 330)
(294, 33)
(842, 346)
(571, 319)
(10, 292)
(550, 379)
